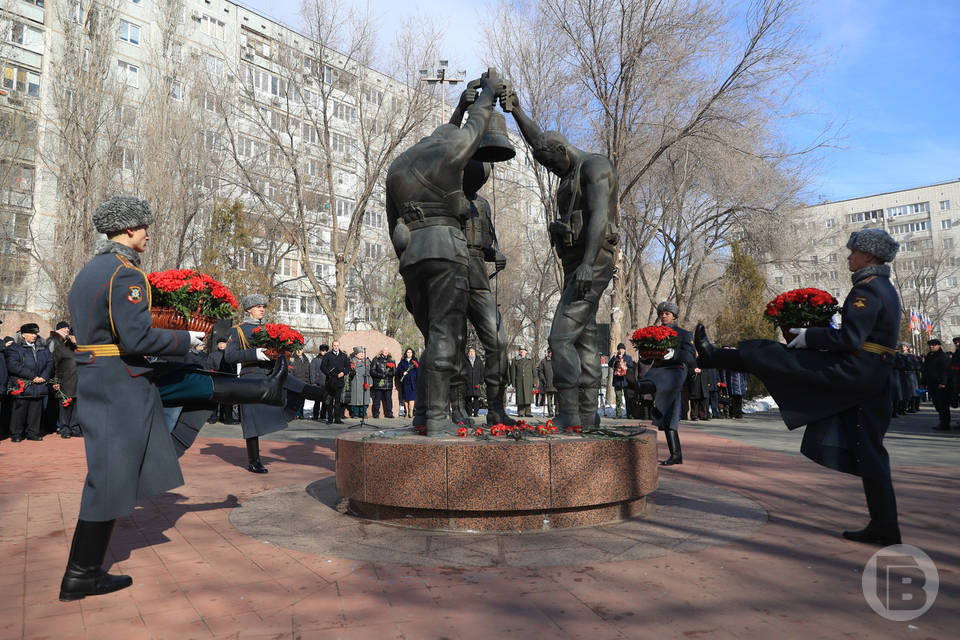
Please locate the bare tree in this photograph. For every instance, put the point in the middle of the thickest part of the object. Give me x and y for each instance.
(310, 140)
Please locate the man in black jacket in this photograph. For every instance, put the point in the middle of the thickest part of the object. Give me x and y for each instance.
(936, 370)
(318, 379)
(62, 346)
(29, 366)
(335, 365)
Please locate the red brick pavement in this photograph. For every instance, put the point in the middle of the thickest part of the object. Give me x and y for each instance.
(196, 576)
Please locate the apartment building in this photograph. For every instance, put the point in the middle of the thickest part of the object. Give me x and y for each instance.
(924, 220)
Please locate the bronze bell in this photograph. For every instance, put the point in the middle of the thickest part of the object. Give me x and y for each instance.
(495, 144)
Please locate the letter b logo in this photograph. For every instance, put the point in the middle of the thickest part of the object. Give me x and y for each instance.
(900, 582)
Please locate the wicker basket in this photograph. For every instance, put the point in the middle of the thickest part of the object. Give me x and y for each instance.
(651, 354)
(167, 318)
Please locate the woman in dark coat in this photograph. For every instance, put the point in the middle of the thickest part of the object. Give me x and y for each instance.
(408, 370)
(837, 381)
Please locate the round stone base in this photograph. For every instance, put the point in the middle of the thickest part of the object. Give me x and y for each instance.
(459, 484)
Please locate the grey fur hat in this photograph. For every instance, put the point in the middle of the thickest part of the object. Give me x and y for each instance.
(668, 306)
(357, 350)
(121, 212)
(251, 300)
(876, 242)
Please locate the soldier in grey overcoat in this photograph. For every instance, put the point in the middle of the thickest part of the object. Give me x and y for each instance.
(255, 419)
(523, 378)
(130, 454)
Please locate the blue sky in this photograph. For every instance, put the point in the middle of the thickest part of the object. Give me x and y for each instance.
(889, 81)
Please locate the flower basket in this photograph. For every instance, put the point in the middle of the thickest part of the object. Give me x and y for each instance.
(801, 308)
(167, 318)
(278, 339)
(188, 300)
(652, 343)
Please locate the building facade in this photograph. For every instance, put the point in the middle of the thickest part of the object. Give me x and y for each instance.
(924, 220)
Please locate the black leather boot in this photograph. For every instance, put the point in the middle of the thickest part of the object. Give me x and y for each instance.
(712, 357)
(673, 443)
(269, 390)
(253, 456)
(84, 575)
(883, 529)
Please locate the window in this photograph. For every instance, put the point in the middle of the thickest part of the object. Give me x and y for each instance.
(907, 209)
(289, 304)
(372, 250)
(323, 271)
(953, 281)
(128, 74)
(344, 209)
(176, 89)
(254, 43)
(910, 227)
(946, 224)
(834, 275)
(944, 205)
(830, 223)
(213, 27)
(129, 32)
(213, 64)
(39, 3)
(797, 279)
(778, 280)
(124, 158)
(211, 141)
(341, 144)
(813, 259)
(127, 114)
(26, 36)
(23, 80)
(866, 216)
(344, 112)
(832, 257)
(310, 306)
(289, 267)
(948, 243)
(374, 219)
(309, 133)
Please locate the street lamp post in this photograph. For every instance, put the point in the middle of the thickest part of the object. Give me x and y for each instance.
(442, 79)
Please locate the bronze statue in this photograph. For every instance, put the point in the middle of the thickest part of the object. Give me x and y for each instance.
(482, 243)
(426, 209)
(583, 235)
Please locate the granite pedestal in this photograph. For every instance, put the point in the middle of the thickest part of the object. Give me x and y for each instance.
(464, 484)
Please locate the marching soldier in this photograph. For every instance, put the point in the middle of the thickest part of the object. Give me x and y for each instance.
(837, 381)
(669, 375)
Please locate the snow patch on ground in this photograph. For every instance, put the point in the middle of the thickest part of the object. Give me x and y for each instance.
(766, 403)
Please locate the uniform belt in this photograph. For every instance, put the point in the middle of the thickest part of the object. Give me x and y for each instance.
(873, 347)
(433, 222)
(102, 350)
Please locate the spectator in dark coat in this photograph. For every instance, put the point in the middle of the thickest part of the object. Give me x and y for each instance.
(735, 385)
(936, 371)
(198, 357)
(319, 379)
(358, 394)
(335, 366)
(474, 372)
(299, 367)
(620, 363)
(408, 372)
(698, 393)
(64, 345)
(711, 380)
(382, 371)
(29, 366)
(547, 389)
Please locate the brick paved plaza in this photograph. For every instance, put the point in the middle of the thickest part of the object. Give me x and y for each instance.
(744, 544)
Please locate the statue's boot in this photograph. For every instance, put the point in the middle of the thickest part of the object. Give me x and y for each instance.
(458, 406)
(436, 400)
(568, 409)
(496, 412)
(589, 418)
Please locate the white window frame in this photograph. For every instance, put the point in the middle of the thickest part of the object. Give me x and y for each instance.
(129, 74)
(213, 27)
(127, 30)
